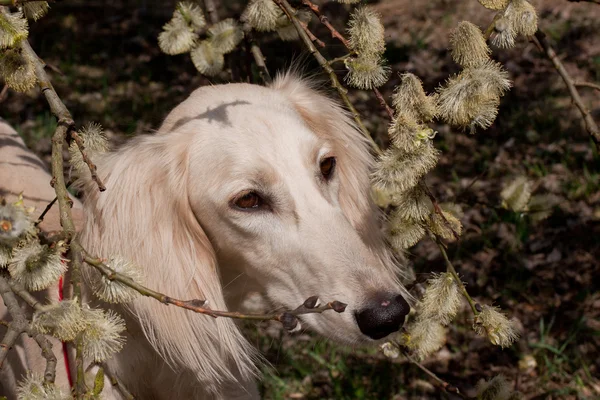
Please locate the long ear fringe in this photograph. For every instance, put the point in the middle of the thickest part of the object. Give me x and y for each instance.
(354, 160)
(145, 216)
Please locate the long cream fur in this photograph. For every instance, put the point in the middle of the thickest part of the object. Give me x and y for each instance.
(165, 209)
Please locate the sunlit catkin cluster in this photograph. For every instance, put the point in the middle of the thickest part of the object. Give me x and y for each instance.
(401, 168)
(16, 68)
(266, 16)
(31, 264)
(99, 330)
(515, 17)
(516, 195)
(438, 307)
(471, 98)
(188, 32)
(367, 69)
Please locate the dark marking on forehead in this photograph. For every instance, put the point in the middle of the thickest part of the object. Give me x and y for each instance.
(217, 114)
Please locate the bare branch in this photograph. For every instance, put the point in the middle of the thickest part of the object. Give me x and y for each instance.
(19, 323)
(256, 52)
(198, 305)
(48, 354)
(440, 382)
(590, 125)
(211, 10)
(587, 84)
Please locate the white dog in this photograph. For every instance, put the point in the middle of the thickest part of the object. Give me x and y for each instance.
(243, 188)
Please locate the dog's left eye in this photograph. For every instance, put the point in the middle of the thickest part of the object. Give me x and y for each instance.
(249, 200)
(327, 167)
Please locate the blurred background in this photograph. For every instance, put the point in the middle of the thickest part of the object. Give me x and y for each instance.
(106, 65)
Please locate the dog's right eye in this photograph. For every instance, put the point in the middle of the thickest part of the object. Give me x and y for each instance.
(249, 200)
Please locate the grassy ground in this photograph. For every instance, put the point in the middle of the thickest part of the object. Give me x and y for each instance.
(546, 274)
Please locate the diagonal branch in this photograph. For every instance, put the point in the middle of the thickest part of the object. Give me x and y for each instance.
(199, 306)
(590, 125)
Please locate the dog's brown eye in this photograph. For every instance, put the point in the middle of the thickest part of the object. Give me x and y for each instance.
(248, 201)
(327, 167)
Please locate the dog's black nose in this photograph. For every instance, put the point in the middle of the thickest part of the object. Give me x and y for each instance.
(383, 314)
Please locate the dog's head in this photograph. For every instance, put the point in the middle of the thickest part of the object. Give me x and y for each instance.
(246, 186)
(278, 178)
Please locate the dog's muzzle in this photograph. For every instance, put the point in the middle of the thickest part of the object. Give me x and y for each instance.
(383, 314)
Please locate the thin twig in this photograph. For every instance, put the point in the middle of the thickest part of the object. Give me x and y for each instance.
(197, 305)
(3, 93)
(48, 354)
(256, 52)
(19, 323)
(27, 297)
(437, 209)
(587, 84)
(325, 21)
(441, 383)
(450, 268)
(86, 159)
(115, 381)
(289, 11)
(590, 125)
(312, 37)
(211, 10)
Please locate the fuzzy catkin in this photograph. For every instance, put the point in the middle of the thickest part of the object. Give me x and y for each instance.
(441, 300)
(367, 35)
(208, 60)
(262, 15)
(35, 9)
(399, 170)
(492, 323)
(425, 336)
(225, 35)
(18, 70)
(516, 194)
(403, 234)
(468, 46)
(410, 98)
(367, 72)
(13, 28)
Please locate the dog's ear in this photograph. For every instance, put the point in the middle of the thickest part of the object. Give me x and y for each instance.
(354, 161)
(144, 216)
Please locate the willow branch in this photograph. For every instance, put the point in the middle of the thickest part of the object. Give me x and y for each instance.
(590, 125)
(19, 323)
(439, 381)
(452, 271)
(289, 12)
(211, 10)
(587, 84)
(256, 52)
(48, 354)
(64, 126)
(336, 34)
(198, 305)
(20, 291)
(115, 381)
(86, 159)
